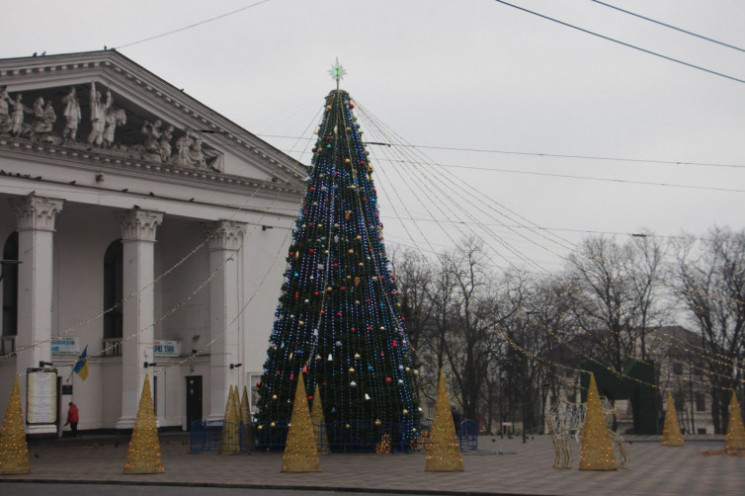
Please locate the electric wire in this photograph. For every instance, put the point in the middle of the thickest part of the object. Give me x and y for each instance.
(190, 26)
(531, 154)
(623, 43)
(685, 31)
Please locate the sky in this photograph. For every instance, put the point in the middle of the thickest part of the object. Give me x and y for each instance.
(576, 135)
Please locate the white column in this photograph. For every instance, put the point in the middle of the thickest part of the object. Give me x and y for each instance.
(224, 307)
(36, 218)
(138, 311)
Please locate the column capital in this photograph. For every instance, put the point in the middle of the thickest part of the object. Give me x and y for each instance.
(36, 213)
(226, 235)
(139, 225)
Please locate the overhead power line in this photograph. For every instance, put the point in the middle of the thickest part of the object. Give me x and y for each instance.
(529, 154)
(685, 31)
(174, 31)
(623, 43)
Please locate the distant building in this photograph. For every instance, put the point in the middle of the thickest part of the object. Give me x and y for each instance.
(141, 224)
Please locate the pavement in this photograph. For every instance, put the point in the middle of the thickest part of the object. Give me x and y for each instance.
(500, 466)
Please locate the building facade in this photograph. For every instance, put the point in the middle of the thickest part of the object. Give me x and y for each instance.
(139, 223)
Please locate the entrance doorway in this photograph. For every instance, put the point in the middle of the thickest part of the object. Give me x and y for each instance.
(193, 399)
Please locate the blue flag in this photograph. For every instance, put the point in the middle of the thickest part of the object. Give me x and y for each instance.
(81, 366)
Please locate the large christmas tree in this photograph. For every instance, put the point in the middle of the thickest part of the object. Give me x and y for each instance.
(338, 317)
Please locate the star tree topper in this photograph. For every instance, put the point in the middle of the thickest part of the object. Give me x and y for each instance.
(337, 72)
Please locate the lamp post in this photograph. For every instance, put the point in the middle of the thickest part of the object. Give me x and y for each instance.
(525, 398)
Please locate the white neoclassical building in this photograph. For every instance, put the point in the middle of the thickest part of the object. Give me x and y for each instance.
(138, 222)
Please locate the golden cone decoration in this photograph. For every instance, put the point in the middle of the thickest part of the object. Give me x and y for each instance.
(143, 456)
(229, 436)
(319, 430)
(597, 446)
(13, 447)
(735, 431)
(301, 451)
(247, 431)
(671, 431)
(443, 454)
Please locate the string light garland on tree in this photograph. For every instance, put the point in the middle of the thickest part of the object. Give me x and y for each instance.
(671, 431)
(443, 454)
(735, 440)
(597, 446)
(13, 448)
(338, 317)
(229, 436)
(301, 451)
(143, 455)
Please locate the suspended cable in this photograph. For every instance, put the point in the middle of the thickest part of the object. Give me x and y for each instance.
(529, 154)
(623, 43)
(200, 23)
(690, 33)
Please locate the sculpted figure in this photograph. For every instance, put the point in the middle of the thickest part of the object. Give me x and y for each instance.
(48, 118)
(4, 110)
(183, 144)
(98, 115)
(115, 117)
(72, 115)
(165, 144)
(152, 132)
(16, 120)
(196, 155)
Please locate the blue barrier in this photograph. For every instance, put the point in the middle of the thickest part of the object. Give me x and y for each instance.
(468, 434)
(343, 437)
(207, 435)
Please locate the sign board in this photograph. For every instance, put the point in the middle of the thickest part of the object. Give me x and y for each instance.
(41, 396)
(65, 346)
(166, 348)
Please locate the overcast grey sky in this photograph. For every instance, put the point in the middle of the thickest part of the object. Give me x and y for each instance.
(465, 74)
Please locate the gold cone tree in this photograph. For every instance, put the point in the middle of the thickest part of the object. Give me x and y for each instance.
(671, 431)
(597, 446)
(247, 433)
(735, 440)
(301, 451)
(319, 424)
(13, 448)
(143, 456)
(229, 436)
(444, 448)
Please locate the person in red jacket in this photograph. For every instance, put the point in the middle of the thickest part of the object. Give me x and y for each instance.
(72, 419)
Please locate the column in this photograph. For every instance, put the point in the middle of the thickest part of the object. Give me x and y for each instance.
(36, 218)
(138, 310)
(224, 249)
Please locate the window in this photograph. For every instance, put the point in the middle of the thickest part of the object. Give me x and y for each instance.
(680, 400)
(112, 291)
(10, 285)
(700, 402)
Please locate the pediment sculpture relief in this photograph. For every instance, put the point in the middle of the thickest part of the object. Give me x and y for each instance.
(94, 120)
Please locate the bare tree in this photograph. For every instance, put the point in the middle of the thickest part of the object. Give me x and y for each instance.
(615, 301)
(711, 284)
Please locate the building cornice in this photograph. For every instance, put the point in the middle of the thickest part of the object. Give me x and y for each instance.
(136, 83)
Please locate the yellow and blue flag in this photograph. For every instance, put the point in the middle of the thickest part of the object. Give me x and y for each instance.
(81, 366)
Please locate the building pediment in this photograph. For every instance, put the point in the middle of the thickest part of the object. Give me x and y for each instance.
(103, 104)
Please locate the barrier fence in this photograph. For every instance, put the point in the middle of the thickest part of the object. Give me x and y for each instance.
(337, 437)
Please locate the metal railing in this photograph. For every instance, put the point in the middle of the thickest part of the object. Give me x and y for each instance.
(342, 437)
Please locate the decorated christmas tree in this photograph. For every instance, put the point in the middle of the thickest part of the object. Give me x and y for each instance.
(338, 318)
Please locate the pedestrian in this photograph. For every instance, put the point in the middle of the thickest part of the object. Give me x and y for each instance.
(72, 419)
